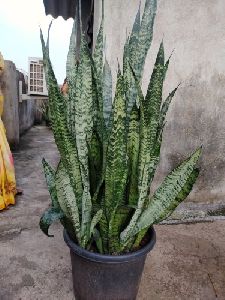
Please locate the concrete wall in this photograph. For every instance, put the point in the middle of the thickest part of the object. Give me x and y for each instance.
(18, 117)
(26, 115)
(29, 114)
(10, 117)
(196, 30)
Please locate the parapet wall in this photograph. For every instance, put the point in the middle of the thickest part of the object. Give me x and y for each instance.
(18, 117)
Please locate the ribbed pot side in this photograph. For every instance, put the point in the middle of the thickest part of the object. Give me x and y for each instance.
(107, 277)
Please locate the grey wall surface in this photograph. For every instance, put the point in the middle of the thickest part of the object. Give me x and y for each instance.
(26, 115)
(10, 117)
(17, 117)
(195, 29)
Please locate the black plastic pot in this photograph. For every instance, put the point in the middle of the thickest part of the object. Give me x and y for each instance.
(107, 277)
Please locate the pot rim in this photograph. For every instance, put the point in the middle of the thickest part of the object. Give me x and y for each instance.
(105, 258)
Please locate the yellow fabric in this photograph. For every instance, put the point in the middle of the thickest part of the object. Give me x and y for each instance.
(1, 104)
(1, 63)
(7, 173)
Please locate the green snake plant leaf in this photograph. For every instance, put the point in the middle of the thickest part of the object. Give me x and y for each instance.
(95, 162)
(134, 37)
(127, 233)
(99, 47)
(98, 51)
(104, 231)
(168, 196)
(150, 111)
(171, 192)
(98, 240)
(109, 150)
(116, 160)
(86, 216)
(95, 220)
(185, 191)
(117, 224)
(50, 180)
(98, 64)
(71, 75)
(72, 56)
(165, 107)
(84, 109)
(133, 154)
(145, 36)
(181, 196)
(129, 81)
(98, 119)
(167, 65)
(50, 216)
(84, 129)
(64, 141)
(53, 213)
(67, 199)
(107, 92)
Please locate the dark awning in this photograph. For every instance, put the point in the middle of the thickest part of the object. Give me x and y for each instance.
(67, 9)
(64, 8)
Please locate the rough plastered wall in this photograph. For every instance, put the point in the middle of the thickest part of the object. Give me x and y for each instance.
(18, 117)
(195, 29)
(10, 117)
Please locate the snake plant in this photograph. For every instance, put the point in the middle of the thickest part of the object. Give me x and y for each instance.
(110, 148)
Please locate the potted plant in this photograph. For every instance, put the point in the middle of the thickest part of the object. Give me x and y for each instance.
(109, 151)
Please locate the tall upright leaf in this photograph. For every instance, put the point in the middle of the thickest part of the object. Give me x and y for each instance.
(134, 37)
(133, 155)
(71, 74)
(150, 110)
(63, 138)
(98, 51)
(145, 36)
(84, 107)
(107, 92)
(165, 107)
(116, 161)
(84, 129)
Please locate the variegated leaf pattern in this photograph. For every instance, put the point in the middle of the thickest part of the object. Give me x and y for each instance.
(95, 220)
(144, 36)
(98, 63)
(116, 160)
(133, 155)
(71, 75)
(168, 195)
(84, 109)
(50, 180)
(165, 107)
(109, 150)
(67, 199)
(107, 92)
(150, 111)
(53, 213)
(50, 216)
(134, 38)
(63, 138)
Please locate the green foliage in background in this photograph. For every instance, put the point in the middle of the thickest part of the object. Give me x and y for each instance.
(110, 149)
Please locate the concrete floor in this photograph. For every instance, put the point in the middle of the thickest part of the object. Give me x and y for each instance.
(188, 261)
